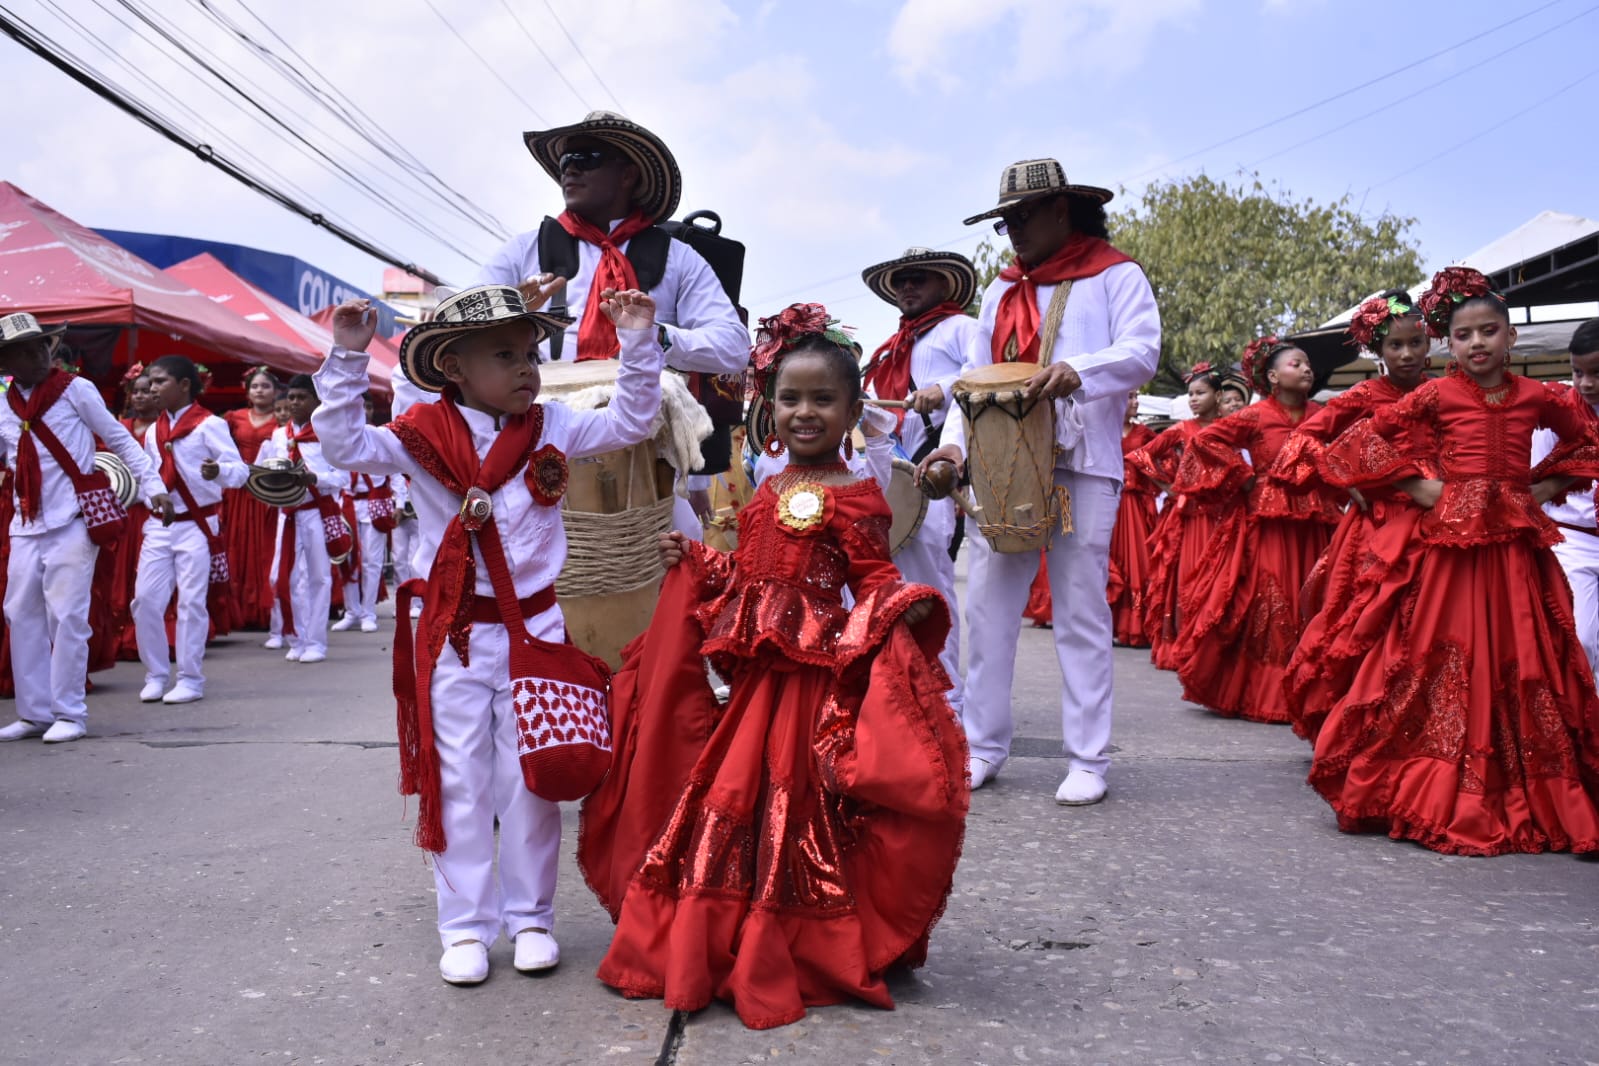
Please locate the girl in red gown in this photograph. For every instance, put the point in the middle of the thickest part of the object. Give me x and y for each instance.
(250, 525)
(1472, 728)
(1390, 329)
(1241, 615)
(1183, 532)
(784, 850)
(1129, 540)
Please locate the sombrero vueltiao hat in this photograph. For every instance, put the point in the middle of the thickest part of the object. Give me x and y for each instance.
(122, 480)
(22, 326)
(660, 182)
(1031, 179)
(953, 266)
(276, 483)
(471, 309)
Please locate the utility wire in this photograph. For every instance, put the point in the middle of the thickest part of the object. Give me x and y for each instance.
(579, 50)
(486, 66)
(509, 10)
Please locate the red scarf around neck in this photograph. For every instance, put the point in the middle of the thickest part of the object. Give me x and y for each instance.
(596, 335)
(889, 372)
(30, 478)
(1017, 315)
(438, 438)
(166, 434)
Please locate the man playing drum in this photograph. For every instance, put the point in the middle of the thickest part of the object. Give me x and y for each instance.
(919, 364)
(1069, 284)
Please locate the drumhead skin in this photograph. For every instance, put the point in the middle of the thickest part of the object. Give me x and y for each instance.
(907, 503)
(562, 378)
(996, 376)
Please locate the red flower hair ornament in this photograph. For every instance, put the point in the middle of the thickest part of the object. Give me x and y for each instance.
(1451, 287)
(1257, 358)
(1373, 319)
(1202, 370)
(777, 334)
(135, 372)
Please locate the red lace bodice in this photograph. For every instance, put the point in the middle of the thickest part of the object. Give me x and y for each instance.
(248, 436)
(1213, 463)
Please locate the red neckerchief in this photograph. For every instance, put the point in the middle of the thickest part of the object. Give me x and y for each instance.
(438, 438)
(166, 434)
(305, 434)
(1017, 314)
(596, 335)
(30, 478)
(889, 372)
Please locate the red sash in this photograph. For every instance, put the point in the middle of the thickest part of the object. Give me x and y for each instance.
(596, 334)
(30, 478)
(889, 372)
(1017, 314)
(166, 434)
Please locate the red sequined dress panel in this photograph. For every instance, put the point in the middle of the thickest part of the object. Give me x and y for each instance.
(1213, 463)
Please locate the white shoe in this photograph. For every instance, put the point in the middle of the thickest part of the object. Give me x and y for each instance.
(311, 655)
(1081, 788)
(293, 655)
(536, 951)
(980, 772)
(63, 730)
(345, 624)
(369, 625)
(22, 729)
(273, 643)
(183, 692)
(466, 963)
(151, 692)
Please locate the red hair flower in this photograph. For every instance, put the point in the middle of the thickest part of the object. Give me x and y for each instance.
(1450, 287)
(778, 333)
(135, 372)
(1199, 370)
(547, 475)
(1257, 355)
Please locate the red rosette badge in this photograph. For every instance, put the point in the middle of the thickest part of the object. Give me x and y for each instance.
(546, 475)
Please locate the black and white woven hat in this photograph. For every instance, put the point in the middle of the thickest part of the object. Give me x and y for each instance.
(122, 480)
(276, 483)
(22, 326)
(1034, 178)
(660, 182)
(471, 309)
(953, 266)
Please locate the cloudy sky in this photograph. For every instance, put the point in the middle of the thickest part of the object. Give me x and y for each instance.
(829, 135)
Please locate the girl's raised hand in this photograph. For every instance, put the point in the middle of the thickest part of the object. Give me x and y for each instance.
(628, 308)
(671, 545)
(354, 323)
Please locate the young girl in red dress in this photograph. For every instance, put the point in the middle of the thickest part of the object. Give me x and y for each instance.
(1241, 615)
(785, 850)
(252, 526)
(1129, 540)
(1183, 532)
(1472, 727)
(1389, 328)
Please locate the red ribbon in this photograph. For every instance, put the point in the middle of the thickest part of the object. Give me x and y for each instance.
(596, 334)
(30, 478)
(889, 372)
(166, 434)
(1017, 315)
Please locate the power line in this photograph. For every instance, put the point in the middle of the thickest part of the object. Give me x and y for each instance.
(468, 46)
(579, 50)
(509, 10)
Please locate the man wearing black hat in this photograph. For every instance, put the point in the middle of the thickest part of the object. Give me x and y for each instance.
(919, 365)
(1085, 312)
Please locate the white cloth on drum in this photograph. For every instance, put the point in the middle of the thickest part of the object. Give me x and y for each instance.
(173, 557)
(996, 591)
(49, 579)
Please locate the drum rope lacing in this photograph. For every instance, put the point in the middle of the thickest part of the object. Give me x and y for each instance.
(1012, 403)
(610, 553)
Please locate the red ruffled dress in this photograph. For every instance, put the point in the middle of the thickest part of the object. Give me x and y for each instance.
(1180, 538)
(125, 573)
(1129, 545)
(785, 850)
(1241, 613)
(1329, 649)
(250, 528)
(1472, 727)
(8, 510)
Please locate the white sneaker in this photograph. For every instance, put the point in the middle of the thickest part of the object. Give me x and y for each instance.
(369, 625)
(345, 624)
(311, 655)
(62, 731)
(980, 772)
(536, 951)
(151, 692)
(273, 643)
(22, 729)
(293, 655)
(1080, 789)
(183, 692)
(466, 963)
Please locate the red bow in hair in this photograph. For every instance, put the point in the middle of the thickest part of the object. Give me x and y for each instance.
(1452, 286)
(1199, 370)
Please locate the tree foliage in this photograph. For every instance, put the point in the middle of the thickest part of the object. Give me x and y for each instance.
(1231, 263)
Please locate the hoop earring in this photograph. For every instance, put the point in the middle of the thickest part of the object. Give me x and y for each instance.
(1426, 362)
(772, 446)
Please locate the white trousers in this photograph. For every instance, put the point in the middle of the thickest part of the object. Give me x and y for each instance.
(996, 592)
(404, 543)
(361, 597)
(310, 579)
(48, 584)
(176, 556)
(474, 729)
(1579, 558)
(925, 560)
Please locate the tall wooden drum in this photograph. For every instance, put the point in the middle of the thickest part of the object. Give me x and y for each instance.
(1010, 458)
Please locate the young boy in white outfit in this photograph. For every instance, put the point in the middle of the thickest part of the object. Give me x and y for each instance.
(480, 350)
(372, 500)
(51, 569)
(305, 590)
(196, 457)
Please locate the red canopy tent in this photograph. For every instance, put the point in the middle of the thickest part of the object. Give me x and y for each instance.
(212, 277)
(123, 310)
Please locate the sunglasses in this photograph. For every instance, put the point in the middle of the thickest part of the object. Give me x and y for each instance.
(1020, 217)
(586, 159)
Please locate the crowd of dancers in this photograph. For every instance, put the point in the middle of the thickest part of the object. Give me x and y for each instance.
(782, 829)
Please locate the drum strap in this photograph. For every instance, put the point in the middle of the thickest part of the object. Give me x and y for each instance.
(930, 436)
(1049, 330)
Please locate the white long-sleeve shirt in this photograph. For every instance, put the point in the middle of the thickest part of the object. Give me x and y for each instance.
(936, 359)
(1110, 335)
(1577, 509)
(77, 417)
(700, 320)
(534, 539)
(211, 439)
(329, 481)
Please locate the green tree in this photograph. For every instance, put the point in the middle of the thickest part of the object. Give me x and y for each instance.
(1231, 263)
